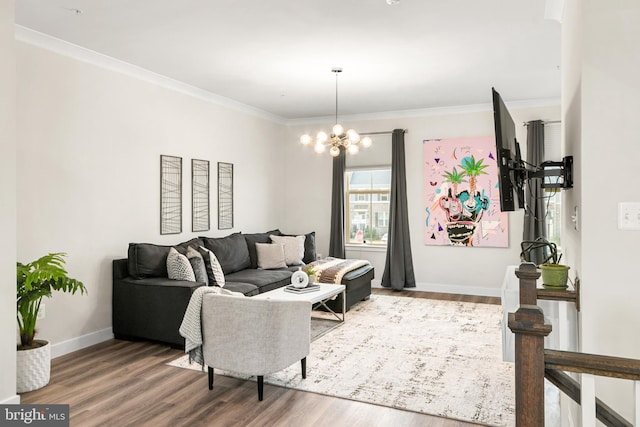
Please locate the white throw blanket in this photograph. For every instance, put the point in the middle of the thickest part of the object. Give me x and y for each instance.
(191, 327)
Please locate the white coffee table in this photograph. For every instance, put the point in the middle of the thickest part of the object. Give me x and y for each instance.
(317, 299)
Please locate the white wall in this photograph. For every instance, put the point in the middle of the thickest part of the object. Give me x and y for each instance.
(88, 158)
(7, 204)
(602, 111)
(436, 267)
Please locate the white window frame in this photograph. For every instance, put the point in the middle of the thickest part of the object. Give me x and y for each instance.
(384, 197)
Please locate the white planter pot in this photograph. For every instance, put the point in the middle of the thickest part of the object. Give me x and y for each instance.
(33, 368)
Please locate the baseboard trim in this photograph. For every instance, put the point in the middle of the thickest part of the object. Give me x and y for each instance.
(13, 400)
(78, 343)
(449, 289)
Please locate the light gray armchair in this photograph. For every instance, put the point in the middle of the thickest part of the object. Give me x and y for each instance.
(254, 337)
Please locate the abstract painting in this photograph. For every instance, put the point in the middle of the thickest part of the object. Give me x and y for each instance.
(461, 193)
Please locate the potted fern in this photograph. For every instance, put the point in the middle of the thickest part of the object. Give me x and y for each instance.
(36, 280)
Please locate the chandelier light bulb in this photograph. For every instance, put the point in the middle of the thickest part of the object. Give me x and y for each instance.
(321, 137)
(305, 139)
(319, 148)
(334, 151)
(353, 136)
(353, 149)
(338, 129)
(366, 142)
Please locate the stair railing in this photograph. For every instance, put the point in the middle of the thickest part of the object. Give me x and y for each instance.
(533, 363)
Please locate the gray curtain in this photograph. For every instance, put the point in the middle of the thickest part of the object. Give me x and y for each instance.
(534, 216)
(398, 268)
(336, 238)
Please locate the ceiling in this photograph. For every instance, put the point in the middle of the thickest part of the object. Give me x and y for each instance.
(277, 55)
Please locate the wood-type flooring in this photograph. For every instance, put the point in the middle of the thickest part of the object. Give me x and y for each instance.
(122, 383)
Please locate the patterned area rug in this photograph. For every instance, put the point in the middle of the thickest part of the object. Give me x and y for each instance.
(437, 357)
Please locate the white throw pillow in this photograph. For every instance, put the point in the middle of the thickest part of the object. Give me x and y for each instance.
(212, 263)
(270, 256)
(293, 248)
(179, 267)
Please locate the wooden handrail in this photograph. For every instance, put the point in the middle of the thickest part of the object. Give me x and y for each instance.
(571, 388)
(534, 363)
(584, 363)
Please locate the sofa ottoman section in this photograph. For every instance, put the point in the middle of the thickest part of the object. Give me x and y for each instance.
(358, 283)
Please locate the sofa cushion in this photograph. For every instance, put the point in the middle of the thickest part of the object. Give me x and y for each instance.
(147, 260)
(150, 260)
(212, 265)
(247, 289)
(254, 238)
(194, 243)
(231, 251)
(179, 267)
(270, 256)
(293, 248)
(265, 280)
(198, 265)
(310, 254)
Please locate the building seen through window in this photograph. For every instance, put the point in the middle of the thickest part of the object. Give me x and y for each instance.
(367, 206)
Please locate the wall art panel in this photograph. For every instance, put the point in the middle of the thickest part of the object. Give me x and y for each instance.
(461, 193)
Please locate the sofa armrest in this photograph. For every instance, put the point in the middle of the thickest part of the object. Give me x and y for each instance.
(150, 308)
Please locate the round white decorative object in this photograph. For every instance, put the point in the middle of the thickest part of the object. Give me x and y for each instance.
(299, 279)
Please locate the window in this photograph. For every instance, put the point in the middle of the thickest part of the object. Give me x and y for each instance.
(367, 205)
(553, 200)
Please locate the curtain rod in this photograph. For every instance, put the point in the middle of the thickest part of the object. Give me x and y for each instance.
(544, 122)
(384, 132)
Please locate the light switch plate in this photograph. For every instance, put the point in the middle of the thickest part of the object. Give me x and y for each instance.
(629, 216)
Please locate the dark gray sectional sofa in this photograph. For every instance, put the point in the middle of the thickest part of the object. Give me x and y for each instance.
(149, 305)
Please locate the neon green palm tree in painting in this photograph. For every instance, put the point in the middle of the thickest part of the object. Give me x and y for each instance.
(473, 168)
(454, 177)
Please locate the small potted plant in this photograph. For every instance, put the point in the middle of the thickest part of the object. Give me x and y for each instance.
(311, 272)
(554, 276)
(36, 280)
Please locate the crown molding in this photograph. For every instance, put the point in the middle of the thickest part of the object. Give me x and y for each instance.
(425, 112)
(61, 47)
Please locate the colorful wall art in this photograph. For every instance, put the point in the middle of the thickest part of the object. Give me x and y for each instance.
(461, 195)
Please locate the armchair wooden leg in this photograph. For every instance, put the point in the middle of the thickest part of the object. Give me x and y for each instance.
(210, 378)
(303, 362)
(260, 387)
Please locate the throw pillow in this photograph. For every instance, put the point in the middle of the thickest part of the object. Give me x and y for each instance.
(214, 270)
(270, 256)
(309, 246)
(232, 252)
(254, 238)
(197, 263)
(179, 267)
(293, 248)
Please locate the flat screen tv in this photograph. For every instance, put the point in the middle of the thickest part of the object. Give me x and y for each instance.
(511, 169)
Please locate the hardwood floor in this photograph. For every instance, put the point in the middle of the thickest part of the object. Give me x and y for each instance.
(122, 383)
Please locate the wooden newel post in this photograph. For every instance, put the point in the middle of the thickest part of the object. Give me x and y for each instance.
(527, 323)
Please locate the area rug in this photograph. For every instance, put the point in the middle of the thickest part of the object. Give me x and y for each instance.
(436, 357)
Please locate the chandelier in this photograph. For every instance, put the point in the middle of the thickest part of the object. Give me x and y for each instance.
(349, 140)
